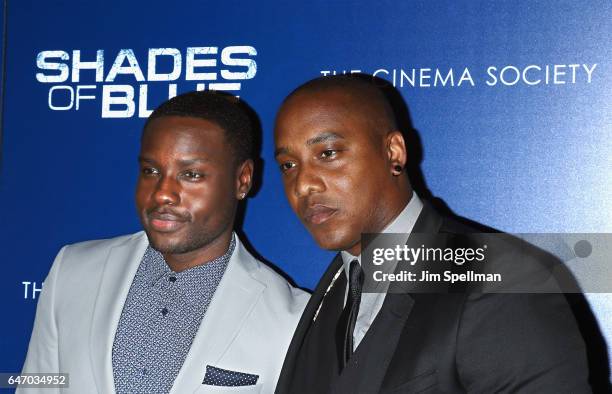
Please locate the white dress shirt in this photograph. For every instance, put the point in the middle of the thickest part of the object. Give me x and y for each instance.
(372, 302)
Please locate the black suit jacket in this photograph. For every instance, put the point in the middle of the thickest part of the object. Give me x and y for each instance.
(440, 343)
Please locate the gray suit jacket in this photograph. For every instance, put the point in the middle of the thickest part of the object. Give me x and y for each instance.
(247, 327)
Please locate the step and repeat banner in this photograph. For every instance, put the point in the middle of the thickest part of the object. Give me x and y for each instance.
(511, 102)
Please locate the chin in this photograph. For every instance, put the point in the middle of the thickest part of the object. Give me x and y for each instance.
(171, 248)
(335, 241)
(163, 245)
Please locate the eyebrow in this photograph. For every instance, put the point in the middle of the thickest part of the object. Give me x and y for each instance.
(322, 137)
(186, 162)
(280, 151)
(145, 159)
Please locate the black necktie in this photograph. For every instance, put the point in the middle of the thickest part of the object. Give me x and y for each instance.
(351, 309)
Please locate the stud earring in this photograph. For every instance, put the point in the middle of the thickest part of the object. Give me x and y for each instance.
(397, 170)
(242, 196)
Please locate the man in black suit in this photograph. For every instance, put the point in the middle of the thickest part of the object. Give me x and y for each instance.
(343, 166)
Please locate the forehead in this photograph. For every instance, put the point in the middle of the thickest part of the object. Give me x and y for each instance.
(183, 134)
(309, 113)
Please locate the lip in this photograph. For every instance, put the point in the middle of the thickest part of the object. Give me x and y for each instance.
(318, 214)
(165, 222)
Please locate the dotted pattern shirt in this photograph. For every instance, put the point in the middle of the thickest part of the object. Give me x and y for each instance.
(160, 318)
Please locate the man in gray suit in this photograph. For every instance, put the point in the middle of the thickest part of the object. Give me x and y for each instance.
(182, 307)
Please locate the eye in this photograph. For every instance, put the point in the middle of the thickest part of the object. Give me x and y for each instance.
(149, 171)
(284, 167)
(328, 154)
(193, 175)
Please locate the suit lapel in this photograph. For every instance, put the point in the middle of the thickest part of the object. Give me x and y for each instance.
(232, 303)
(378, 346)
(327, 281)
(428, 222)
(313, 306)
(390, 322)
(286, 376)
(367, 367)
(119, 270)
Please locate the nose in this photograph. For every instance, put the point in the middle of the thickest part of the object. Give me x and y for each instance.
(307, 181)
(167, 191)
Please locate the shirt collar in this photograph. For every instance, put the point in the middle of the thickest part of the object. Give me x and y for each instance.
(403, 223)
(188, 283)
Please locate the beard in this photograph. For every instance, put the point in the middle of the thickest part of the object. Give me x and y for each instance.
(195, 238)
(182, 246)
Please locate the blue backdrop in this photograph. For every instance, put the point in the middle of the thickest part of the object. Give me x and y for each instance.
(512, 101)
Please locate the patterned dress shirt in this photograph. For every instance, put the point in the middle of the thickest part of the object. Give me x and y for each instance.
(160, 318)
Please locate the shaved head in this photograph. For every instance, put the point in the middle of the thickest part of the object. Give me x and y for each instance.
(361, 94)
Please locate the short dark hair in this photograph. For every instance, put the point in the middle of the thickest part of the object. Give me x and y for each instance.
(230, 113)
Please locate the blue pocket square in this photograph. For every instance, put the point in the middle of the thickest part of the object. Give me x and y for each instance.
(224, 377)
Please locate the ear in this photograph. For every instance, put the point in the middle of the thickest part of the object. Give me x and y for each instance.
(244, 179)
(396, 152)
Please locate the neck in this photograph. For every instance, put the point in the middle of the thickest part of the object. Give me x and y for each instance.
(216, 248)
(395, 207)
